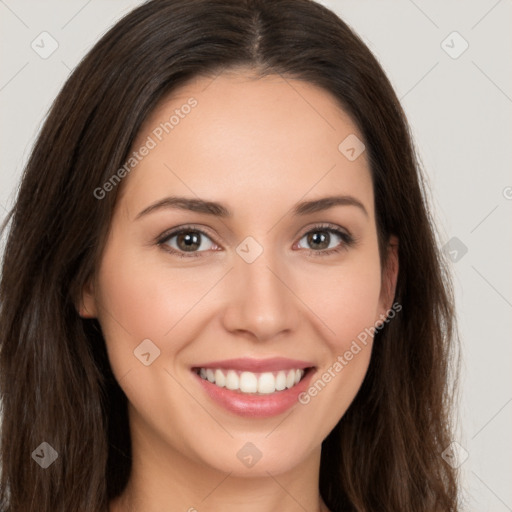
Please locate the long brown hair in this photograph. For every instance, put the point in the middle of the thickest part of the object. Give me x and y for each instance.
(56, 383)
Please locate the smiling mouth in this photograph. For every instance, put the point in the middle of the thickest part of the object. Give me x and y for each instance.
(245, 382)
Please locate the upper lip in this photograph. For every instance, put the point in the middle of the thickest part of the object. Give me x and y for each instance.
(257, 365)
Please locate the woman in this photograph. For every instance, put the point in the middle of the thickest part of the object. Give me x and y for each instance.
(221, 288)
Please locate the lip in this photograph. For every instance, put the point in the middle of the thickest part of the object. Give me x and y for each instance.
(258, 365)
(256, 406)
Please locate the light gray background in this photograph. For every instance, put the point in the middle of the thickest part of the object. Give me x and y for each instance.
(460, 111)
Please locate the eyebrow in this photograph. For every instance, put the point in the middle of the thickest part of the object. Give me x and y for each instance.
(219, 210)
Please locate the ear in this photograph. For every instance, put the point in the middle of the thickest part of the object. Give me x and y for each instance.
(87, 304)
(389, 276)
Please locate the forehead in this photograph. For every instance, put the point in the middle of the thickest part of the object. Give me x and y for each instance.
(246, 141)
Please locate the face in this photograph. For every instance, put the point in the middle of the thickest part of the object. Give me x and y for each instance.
(212, 313)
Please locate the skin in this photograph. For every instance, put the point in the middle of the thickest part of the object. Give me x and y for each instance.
(259, 147)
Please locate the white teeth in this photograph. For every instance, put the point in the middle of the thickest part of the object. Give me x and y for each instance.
(232, 380)
(220, 379)
(266, 383)
(280, 381)
(290, 378)
(249, 382)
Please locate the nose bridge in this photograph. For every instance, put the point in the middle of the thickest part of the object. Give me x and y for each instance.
(262, 303)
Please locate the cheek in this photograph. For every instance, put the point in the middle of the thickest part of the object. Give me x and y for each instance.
(346, 298)
(347, 301)
(141, 301)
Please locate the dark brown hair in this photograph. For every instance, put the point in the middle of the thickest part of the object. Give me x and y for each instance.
(56, 383)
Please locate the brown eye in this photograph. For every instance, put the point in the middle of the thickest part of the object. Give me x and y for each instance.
(187, 241)
(319, 239)
(322, 240)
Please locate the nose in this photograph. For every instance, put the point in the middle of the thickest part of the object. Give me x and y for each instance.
(261, 303)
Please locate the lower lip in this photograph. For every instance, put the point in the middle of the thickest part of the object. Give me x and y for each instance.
(256, 406)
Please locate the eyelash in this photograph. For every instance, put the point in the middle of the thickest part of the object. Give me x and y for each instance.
(347, 240)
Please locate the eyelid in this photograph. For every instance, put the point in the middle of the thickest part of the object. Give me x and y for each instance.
(171, 233)
(347, 239)
(324, 225)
